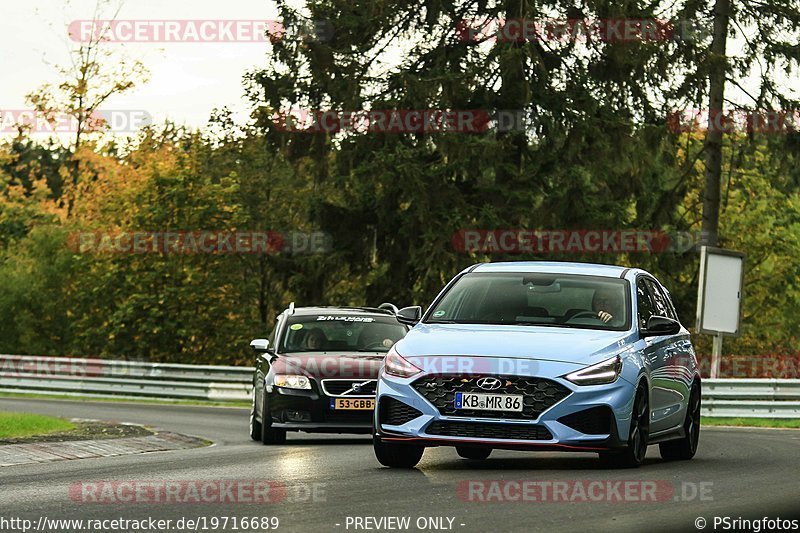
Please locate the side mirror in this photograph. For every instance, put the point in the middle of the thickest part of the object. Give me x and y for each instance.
(409, 315)
(260, 345)
(661, 325)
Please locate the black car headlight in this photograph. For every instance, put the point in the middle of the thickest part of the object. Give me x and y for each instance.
(292, 381)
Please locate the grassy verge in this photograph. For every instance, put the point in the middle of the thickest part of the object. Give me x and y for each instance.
(752, 422)
(123, 400)
(13, 425)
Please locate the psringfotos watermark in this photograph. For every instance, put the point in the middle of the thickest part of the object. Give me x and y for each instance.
(543, 241)
(756, 525)
(197, 31)
(112, 120)
(582, 491)
(200, 242)
(196, 491)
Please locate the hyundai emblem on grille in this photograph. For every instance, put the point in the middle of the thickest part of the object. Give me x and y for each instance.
(489, 383)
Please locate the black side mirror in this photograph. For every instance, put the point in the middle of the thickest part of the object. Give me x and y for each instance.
(409, 315)
(661, 325)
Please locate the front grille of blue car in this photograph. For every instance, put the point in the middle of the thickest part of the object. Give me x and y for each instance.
(539, 394)
(488, 431)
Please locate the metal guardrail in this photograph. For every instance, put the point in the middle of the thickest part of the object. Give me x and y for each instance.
(123, 379)
(759, 398)
(753, 398)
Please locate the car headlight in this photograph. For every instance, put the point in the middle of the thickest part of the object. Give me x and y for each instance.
(288, 381)
(397, 366)
(598, 374)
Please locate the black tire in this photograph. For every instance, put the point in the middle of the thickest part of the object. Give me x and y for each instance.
(270, 435)
(476, 454)
(684, 448)
(396, 455)
(634, 453)
(255, 425)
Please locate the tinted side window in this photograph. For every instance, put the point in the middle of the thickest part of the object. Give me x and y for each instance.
(662, 301)
(668, 297)
(645, 306)
(662, 305)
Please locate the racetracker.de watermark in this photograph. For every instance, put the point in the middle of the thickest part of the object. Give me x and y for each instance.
(389, 121)
(612, 30)
(200, 242)
(755, 366)
(24, 366)
(197, 31)
(196, 491)
(417, 121)
(734, 121)
(457, 365)
(582, 490)
(36, 366)
(112, 120)
(520, 241)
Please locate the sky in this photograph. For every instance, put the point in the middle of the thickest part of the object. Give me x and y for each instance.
(187, 80)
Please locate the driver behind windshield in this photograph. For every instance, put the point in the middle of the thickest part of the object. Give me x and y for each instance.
(377, 337)
(315, 339)
(607, 304)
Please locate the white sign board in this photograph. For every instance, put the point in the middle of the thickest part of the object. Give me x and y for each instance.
(719, 298)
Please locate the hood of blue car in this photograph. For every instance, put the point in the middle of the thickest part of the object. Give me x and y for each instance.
(568, 345)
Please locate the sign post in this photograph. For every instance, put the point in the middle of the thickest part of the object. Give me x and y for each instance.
(719, 297)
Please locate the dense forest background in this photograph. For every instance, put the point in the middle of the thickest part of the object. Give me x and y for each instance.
(598, 152)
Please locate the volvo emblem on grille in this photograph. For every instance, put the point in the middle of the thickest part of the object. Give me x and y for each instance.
(489, 383)
(362, 388)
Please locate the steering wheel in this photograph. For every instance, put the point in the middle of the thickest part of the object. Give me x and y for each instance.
(589, 314)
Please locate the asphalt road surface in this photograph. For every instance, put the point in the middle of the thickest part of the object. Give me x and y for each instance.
(334, 483)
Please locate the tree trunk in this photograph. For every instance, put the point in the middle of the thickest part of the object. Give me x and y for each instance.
(513, 96)
(713, 141)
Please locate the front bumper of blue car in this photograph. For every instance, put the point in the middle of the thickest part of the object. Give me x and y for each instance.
(557, 414)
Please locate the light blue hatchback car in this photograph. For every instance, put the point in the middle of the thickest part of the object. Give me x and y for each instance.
(542, 356)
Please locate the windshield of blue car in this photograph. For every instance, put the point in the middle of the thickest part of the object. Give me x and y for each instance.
(341, 333)
(552, 300)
